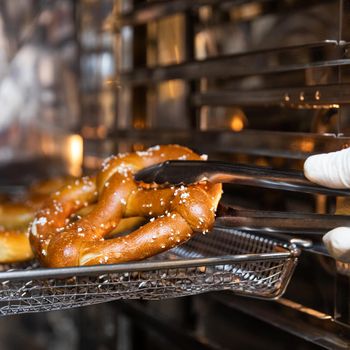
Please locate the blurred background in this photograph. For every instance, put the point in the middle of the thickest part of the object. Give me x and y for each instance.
(67, 79)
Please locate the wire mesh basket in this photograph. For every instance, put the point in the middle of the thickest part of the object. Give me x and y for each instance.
(224, 259)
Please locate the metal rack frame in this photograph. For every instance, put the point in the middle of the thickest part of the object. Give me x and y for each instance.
(330, 54)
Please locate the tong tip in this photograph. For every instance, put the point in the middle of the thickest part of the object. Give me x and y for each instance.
(161, 174)
(149, 174)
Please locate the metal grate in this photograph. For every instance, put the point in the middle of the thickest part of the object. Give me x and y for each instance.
(223, 260)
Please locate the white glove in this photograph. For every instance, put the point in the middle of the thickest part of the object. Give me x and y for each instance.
(337, 242)
(332, 170)
(329, 169)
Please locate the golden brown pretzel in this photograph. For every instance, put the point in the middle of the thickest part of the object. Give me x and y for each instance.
(15, 217)
(14, 246)
(14, 242)
(16, 214)
(176, 213)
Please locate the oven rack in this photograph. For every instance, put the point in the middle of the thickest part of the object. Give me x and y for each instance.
(244, 64)
(316, 96)
(155, 10)
(254, 142)
(224, 259)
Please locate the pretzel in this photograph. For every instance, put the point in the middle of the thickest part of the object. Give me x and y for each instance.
(14, 238)
(14, 246)
(15, 217)
(16, 214)
(175, 213)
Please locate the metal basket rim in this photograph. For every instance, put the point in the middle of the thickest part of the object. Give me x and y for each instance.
(43, 273)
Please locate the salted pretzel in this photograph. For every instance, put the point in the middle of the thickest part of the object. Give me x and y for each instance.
(14, 242)
(15, 215)
(175, 213)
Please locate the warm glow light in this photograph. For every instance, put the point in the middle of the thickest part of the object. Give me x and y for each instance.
(139, 124)
(307, 146)
(177, 54)
(236, 123)
(101, 131)
(171, 89)
(75, 154)
(246, 11)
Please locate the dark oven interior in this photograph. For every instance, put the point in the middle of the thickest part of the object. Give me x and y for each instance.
(262, 82)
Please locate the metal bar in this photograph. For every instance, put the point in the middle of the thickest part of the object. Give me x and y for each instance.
(268, 225)
(189, 40)
(139, 266)
(254, 142)
(222, 68)
(312, 326)
(155, 10)
(124, 61)
(281, 222)
(318, 96)
(239, 65)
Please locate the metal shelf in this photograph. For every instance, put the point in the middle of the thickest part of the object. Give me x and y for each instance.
(244, 64)
(155, 10)
(151, 11)
(254, 142)
(311, 325)
(317, 96)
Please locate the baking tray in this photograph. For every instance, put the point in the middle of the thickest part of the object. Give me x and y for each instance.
(223, 259)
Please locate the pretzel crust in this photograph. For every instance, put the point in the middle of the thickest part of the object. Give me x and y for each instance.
(15, 217)
(14, 246)
(175, 213)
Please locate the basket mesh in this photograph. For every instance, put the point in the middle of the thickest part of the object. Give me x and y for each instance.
(265, 278)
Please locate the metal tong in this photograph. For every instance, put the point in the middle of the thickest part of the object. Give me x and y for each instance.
(187, 172)
(179, 172)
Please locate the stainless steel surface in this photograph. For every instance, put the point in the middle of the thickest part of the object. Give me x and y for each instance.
(38, 82)
(315, 327)
(239, 59)
(249, 63)
(155, 10)
(125, 60)
(223, 260)
(315, 225)
(316, 96)
(253, 142)
(188, 172)
(97, 61)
